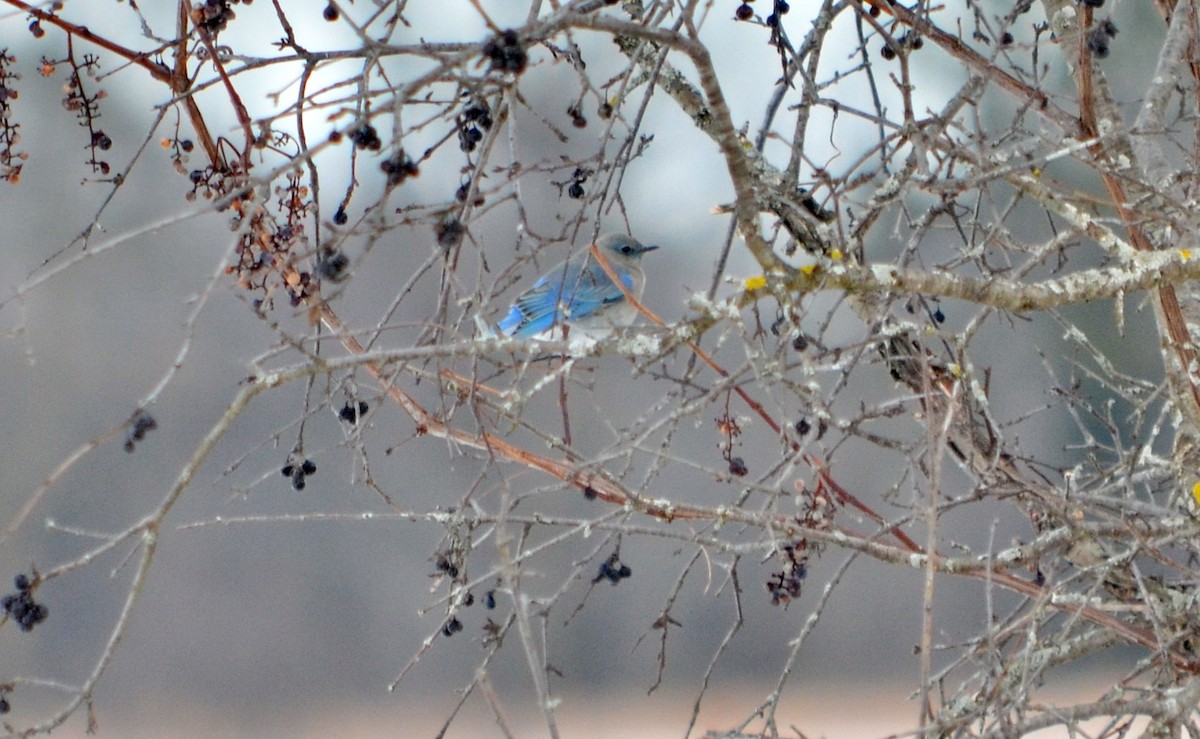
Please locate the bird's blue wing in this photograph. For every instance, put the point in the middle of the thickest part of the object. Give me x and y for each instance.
(581, 291)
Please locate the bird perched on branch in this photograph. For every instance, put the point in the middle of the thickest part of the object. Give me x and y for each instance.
(579, 294)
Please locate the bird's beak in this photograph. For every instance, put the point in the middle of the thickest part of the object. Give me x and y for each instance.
(649, 247)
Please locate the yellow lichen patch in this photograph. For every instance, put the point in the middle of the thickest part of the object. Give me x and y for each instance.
(756, 282)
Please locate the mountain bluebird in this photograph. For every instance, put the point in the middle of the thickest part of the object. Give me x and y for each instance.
(580, 293)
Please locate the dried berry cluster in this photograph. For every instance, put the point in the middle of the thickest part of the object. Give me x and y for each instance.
(578, 177)
(1100, 37)
(613, 570)
(398, 168)
(730, 431)
(786, 584)
(506, 53)
(11, 161)
(363, 136)
(298, 470)
(269, 247)
(474, 120)
(212, 16)
(84, 104)
(352, 412)
(21, 607)
(450, 563)
(143, 423)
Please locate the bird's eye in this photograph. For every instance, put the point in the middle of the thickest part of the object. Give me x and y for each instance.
(627, 249)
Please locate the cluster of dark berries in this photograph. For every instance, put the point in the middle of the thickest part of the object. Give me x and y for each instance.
(398, 168)
(364, 136)
(577, 118)
(448, 563)
(1094, 3)
(332, 264)
(908, 40)
(476, 118)
(452, 626)
(298, 472)
(803, 426)
(781, 8)
(1099, 38)
(445, 565)
(351, 412)
(143, 423)
(799, 342)
(449, 232)
(578, 177)
(730, 429)
(744, 12)
(505, 52)
(612, 570)
(21, 606)
(786, 584)
(212, 15)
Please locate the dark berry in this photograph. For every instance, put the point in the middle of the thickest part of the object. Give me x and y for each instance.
(489, 600)
(744, 12)
(452, 627)
(800, 343)
(939, 316)
(331, 12)
(1006, 38)
(340, 216)
(575, 191)
(4, 706)
(887, 52)
(1097, 43)
(737, 467)
(21, 582)
(308, 467)
(803, 426)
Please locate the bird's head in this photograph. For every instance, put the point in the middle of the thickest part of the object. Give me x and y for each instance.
(622, 249)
